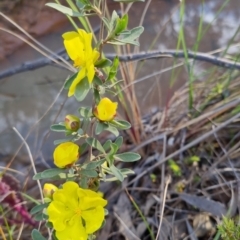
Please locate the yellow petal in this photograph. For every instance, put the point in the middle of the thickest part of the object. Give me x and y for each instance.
(95, 55)
(76, 231)
(90, 73)
(86, 39)
(93, 223)
(75, 212)
(73, 45)
(80, 76)
(59, 215)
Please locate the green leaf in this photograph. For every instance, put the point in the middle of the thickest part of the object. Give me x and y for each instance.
(114, 149)
(126, 171)
(83, 148)
(70, 80)
(39, 217)
(64, 10)
(36, 235)
(84, 182)
(107, 23)
(82, 89)
(97, 80)
(85, 112)
(102, 63)
(111, 129)
(49, 225)
(107, 144)
(129, 1)
(37, 176)
(79, 4)
(58, 128)
(49, 173)
(121, 24)
(38, 208)
(85, 123)
(127, 157)
(99, 128)
(80, 131)
(97, 96)
(128, 37)
(82, 3)
(116, 172)
(120, 124)
(119, 141)
(63, 140)
(113, 21)
(93, 165)
(95, 143)
(113, 69)
(68, 176)
(89, 173)
(131, 35)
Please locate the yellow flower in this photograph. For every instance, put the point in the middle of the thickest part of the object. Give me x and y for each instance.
(65, 154)
(48, 190)
(75, 212)
(105, 110)
(79, 48)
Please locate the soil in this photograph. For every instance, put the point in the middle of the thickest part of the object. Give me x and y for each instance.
(33, 16)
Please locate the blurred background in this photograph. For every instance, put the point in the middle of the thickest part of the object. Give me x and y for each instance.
(31, 101)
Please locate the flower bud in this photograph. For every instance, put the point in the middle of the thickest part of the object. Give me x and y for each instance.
(66, 154)
(48, 190)
(72, 122)
(106, 110)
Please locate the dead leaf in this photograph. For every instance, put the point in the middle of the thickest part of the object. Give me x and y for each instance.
(215, 208)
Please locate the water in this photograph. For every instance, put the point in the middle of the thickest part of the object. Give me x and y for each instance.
(26, 97)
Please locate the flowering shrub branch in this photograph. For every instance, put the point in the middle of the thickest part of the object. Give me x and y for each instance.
(76, 210)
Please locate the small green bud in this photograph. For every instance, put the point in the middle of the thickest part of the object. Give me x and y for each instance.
(72, 122)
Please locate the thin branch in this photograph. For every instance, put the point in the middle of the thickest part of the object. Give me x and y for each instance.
(205, 57)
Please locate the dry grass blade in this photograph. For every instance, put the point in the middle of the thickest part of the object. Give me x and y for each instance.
(186, 147)
(37, 49)
(37, 42)
(168, 180)
(130, 234)
(31, 160)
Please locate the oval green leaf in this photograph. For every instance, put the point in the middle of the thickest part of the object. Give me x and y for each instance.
(102, 63)
(89, 173)
(36, 235)
(95, 143)
(119, 141)
(69, 81)
(38, 208)
(58, 128)
(64, 10)
(82, 89)
(127, 157)
(120, 124)
(116, 172)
